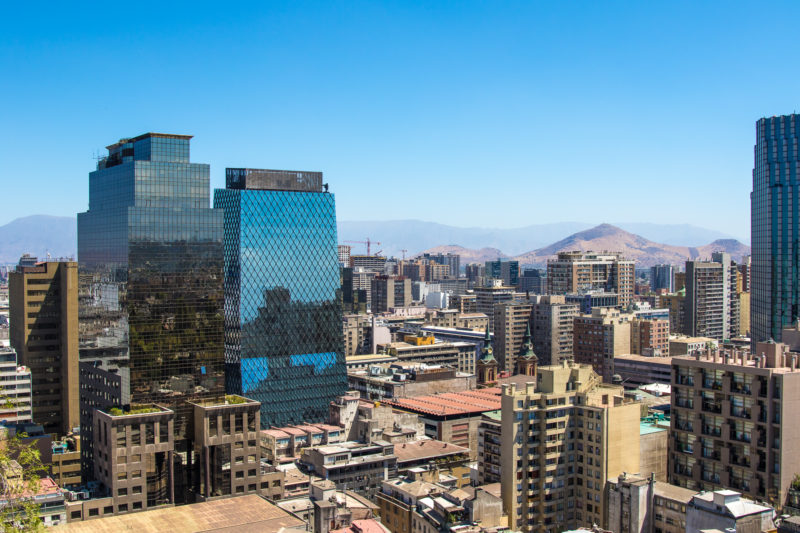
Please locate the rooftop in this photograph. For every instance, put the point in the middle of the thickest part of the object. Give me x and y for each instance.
(452, 403)
(243, 514)
(424, 449)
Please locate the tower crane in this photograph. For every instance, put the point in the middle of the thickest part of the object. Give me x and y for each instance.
(368, 242)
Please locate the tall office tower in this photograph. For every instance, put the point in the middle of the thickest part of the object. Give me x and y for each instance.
(43, 302)
(662, 277)
(562, 437)
(581, 271)
(734, 422)
(552, 325)
(389, 292)
(775, 227)
(510, 324)
(507, 271)
(283, 334)
(710, 298)
(475, 274)
(150, 285)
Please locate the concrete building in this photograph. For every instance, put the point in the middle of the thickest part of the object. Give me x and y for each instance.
(360, 467)
(534, 281)
(451, 260)
(44, 333)
(66, 463)
(591, 299)
(710, 297)
(734, 419)
(511, 321)
(367, 421)
(638, 504)
(464, 303)
(389, 292)
(15, 389)
(552, 328)
(134, 457)
(489, 434)
(654, 446)
(637, 370)
(425, 349)
(562, 438)
(284, 445)
(407, 380)
(573, 272)
(452, 417)
(487, 297)
(450, 318)
(690, 345)
(48, 496)
(676, 304)
(599, 337)
(435, 458)
(726, 510)
(650, 337)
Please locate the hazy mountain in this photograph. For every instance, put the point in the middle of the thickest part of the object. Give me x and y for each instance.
(38, 235)
(416, 235)
(645, 252)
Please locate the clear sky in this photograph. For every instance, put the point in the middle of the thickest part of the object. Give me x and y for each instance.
(495, 114)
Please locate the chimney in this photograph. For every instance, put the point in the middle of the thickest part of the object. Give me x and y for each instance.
(794, 362)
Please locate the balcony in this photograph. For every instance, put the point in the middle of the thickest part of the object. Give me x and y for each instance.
(740, 436)
(711, 454)
(711, 477)
(684, 426)
(684, 447)
(740, 412)
(740, 388)
(741, 460)
(686, 403)
(712, 431)
(684, 380)
(712, 407)
(713, 384)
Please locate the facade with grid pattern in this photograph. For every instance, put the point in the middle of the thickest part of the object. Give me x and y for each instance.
(283, 320)
(151, 283)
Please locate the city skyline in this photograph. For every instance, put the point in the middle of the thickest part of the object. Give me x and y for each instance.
(474, 103)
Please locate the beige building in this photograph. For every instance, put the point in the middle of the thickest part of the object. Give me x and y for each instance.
(562, 438)
(735, 422)
(425, 349)
(573, 272)
(511, 321)
(599, 337)
(487, 297)
(44, 332)
(650, 337)
(676, 303)
(551, 328)
(389, 292)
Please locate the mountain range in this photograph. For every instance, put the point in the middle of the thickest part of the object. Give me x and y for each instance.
(646, 253)
(646, 243)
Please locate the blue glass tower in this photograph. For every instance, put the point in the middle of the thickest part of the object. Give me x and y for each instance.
(775, 216)
(283, 318)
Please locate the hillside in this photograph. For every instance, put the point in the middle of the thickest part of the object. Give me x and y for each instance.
(646, 253)
(38, 235)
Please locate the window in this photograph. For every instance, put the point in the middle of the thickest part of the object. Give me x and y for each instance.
(93, 512)
(137, 505)
(122, 492)
(75, 515)
(123, 508)
(136, 490)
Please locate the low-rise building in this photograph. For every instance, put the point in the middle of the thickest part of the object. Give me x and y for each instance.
(637, 504)
(636, 370)
(66, 465)
(360, 467)
(726, 510)
(285, 444)
(434, 456)
(407, 380)
(17, 491)
(368, 421)
(453, 417)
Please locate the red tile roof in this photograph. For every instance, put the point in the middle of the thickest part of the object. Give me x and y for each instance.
(451, 403)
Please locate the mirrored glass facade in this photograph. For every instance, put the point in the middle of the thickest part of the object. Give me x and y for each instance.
(151, 280)
(774, 227)
(283, 322)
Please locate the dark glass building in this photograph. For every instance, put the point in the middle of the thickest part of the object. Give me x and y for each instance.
(283, 318)
(150, 286)
(775, 215)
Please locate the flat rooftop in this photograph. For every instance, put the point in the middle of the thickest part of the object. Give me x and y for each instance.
(244, 514)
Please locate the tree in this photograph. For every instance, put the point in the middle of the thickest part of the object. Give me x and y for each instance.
(21, 469)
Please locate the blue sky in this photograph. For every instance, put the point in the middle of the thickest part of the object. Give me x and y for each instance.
(495, 114)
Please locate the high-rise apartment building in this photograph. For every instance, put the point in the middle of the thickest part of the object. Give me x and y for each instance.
(283, 334)
(15, 389)
(506, 271)
(487, 297)
(451, 260)
(775, 227)
(598, 337)
(533, 280)
(734, 422)
(43, 302)
(552, 325)
(510, 324)
(150, 283)
(676, 304)
(562, 438)
(711, 305)
(580, 271)
(662, 277)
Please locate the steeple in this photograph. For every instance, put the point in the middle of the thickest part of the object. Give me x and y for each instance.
(487, 352)
(527, 346)
(487, 365)
(526, 360)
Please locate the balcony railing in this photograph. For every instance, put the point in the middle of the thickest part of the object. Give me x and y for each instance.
(740, 412)
(712, 431)
(710, 477)
(709, 454)
(712, 407)
(688, 403)
(712, 384)
(740, 436)
(684, 426)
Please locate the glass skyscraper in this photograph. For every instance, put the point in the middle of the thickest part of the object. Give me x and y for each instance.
(283, 318)
(774, 225)
(151, 281)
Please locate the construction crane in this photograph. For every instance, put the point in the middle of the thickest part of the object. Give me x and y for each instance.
(367, 242)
